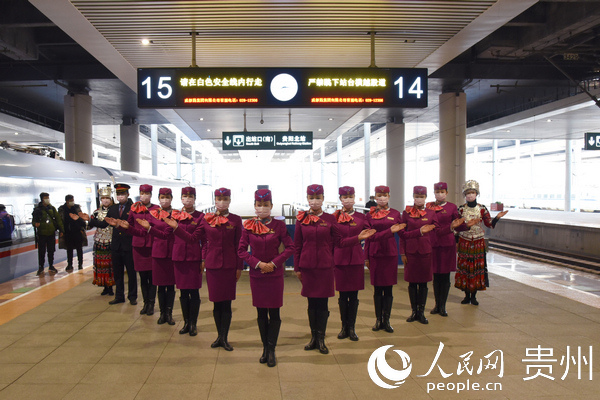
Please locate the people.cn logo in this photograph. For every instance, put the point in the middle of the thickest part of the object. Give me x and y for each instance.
(378, 366)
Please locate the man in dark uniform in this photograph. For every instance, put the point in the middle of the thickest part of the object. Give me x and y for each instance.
(122, 256)
(73, 228)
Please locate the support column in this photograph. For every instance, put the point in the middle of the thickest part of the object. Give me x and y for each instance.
(453, 143)
(323, 165)
(568, 174)
(311, 161)
(494, 168)
(367, 141)
(130, 147)
(339, 161)
(394, 153)
(78, 128)
(178, 154)
(193, 163)
(154, 148)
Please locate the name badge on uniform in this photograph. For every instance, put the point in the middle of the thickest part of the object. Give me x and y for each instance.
(271, 231)
(444, 212)
(194, 223)
(229, 226)
(352, 223)
(424, 219)
(390, 218)
(323, 224)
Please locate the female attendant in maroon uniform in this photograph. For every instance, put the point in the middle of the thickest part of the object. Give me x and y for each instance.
(381, 253)
(163, 275)
(314, 239)
(443, 244)
(415, 249)
(187, 258)
(222, 265)
(142, 246)
(264, 235)
(471, 270)
(349, 270)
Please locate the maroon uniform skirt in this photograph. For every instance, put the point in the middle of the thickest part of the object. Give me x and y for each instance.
(142, 258)
(317, 282)
(418, 268)
(349, 278)
(162, 272)
(187, 274)
(384, 270)
(444, 259)
(267, 292)
(221, 284)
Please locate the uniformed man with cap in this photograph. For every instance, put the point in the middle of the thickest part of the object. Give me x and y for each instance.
(122, 255)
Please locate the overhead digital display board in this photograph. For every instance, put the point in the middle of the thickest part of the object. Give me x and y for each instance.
(268, 140)
(282, 87)
(592, 141)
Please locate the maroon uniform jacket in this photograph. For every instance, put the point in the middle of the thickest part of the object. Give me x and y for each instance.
(141, 238)
(351, 255)
(222, 243)
(189, 238)
(411, 240)
(383, 243)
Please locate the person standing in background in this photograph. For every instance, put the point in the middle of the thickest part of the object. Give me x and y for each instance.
(74, 226)
(7, 226)
(103, 269)
(46, 222)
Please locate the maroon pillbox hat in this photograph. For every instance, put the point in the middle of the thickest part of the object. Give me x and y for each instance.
(188, 190)
(145, 188)
(223, 192)
(346, 191)
(165, 191)
(382, 189)
(315, 190)
(262, 195)
(440, 186)
(420, 190)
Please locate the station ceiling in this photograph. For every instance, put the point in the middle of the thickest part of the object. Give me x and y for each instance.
(511, 57)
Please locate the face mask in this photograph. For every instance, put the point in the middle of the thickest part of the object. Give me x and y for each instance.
(222, 205)
(145, 198)
(70, 204)
(46, 202)
(165, 202)
(419, 201)
(471, 197)
(263, 212)
(348, 203)
(382, 201)
(105, 202)
(315, 204)
(188, 202)
(441, 196)
(122, 198)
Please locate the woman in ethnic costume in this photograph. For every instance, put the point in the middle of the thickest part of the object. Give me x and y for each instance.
(443, 244)
(222, 265)
(103, 271)
(416, 251)
(187, 257)
(316, 234)
(472, 264)
(264, 235)
(163, 275)
(381, 254)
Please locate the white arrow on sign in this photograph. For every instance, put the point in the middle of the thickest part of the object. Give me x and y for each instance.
(227, 140)
(591, 141)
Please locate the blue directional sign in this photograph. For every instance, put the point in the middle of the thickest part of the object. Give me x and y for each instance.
(592, 141)
(267, 140)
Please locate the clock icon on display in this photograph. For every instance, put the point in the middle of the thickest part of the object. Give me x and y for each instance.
(284, 87)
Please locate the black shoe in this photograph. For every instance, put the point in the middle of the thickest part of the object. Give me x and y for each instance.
(467, 298)
(377, 301)
(52, 270)
(110, 291)
(343, 333)
(264, 358)
(185, 329)
(116, 301)
(436, 310)
(162, 319)
(386, 312)
(271, 359)
(474, 301)
(144, 309)
(150, 309)
(216, 343)
(69, 268)
(133, 302)
(193, 329)
(40, 271)
(104, 292)
(80, 267)
(421, 314)
(169, 316)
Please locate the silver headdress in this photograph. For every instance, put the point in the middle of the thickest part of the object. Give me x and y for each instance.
(105, 191)
(471, 185)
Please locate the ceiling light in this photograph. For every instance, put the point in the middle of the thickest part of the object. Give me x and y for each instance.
(208, 130)
(146, 42)
(16, 133)
(508, 130)
(320, 129)
(548, 120)
(331, 119)
(201, 119)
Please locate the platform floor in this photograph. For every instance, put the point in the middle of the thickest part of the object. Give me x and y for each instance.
(62, 340)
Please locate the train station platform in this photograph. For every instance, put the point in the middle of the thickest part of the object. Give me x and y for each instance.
(62, 340)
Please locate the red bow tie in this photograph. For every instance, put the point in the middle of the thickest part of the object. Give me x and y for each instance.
(342, 216)
(256, 226)
(377, 213)
(159, 214)
(139, 208)
(180, 215)
(414, 212)
(432, 206)
(215, 220)
(306, 218)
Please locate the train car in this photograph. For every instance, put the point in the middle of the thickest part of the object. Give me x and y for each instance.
(25, 176)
